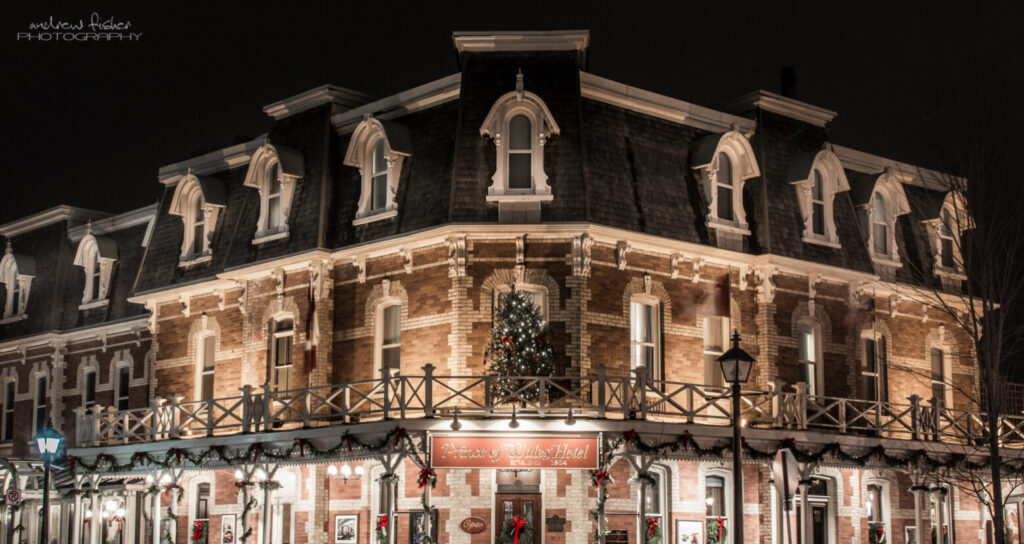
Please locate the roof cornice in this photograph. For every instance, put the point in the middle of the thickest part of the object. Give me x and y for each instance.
(212, 162)
(339, 97)
(418, 98)
(115, 223)
(867, 163)
(661, 106)
(782, 105)
(48, 217)
(543, 40)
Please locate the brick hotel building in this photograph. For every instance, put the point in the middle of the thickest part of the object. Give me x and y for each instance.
(274, 351)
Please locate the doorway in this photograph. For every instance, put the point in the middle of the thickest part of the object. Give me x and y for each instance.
(524, 505)
(819, 523)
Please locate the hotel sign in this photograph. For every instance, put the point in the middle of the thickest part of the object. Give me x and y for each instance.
(513, 452)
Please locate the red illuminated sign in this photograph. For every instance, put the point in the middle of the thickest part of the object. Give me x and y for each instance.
(513, 452)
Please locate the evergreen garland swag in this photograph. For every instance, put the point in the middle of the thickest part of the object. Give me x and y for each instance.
(519, 348)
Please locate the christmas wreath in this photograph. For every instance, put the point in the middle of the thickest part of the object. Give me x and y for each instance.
(876, 533)
(653, 531)
(716, 532)
(382, 525)
(198, 532)
(520, 531)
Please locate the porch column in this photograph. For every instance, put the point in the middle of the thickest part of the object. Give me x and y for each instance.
(131, 513)
(97, 519)
(265, 519)
(390, 506)
(938, 497)
(805, 517)
(918, 512)
(156, 517)
(76, 528)
(174, 507)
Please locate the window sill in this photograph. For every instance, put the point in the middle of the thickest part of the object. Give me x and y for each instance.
(714, 223)
(822, 242)
(379, 216)
(13, 319)
(520, 198)
(950, 273)
(188, 262)
(262, 238)
(886, 261)
(94, 304)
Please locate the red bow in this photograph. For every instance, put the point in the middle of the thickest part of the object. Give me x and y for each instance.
(426, 475)
(629, 436)
(720, 525)
(600, 476)
(197, 531)
(382, 522)
(652, 522)
(399, 434)
(348, 439)
(517, 525)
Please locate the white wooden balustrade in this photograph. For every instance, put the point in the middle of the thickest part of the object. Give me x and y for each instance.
(597, 396)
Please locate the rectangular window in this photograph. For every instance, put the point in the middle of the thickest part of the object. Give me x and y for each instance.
(379, 191)
(274, 218)
(818, 205)
(89, 396)
(95, 281)
(198, 229)
(209, 362)
(40, 404)
(9, 412)
(123, 381)
(714, 500)
(286, 523)
(874, 503)
(284, 335)
(203, 509)
(520, 153)
(938, 375)
(391, 337)
(880, 237)
(808, 348)
(725, 203)
(654, 503)
(946, 239)
(644, 337)
(536, 295)
(716, 331)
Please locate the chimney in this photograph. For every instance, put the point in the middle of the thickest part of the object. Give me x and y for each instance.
(788, 80)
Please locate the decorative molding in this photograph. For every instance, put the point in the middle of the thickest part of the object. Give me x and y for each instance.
(456, 255)
(581, 246)
(698, 265)
(766, 283)
(359, 262)
(674, 261)
(782, 105)
(212, 162)
(340, 99)
(320, 277)
(647, 283)
(186, 304)
(47, 217)
(894, 302)
(538, 40)
(406, 259)
(622, 249)
(418, 98)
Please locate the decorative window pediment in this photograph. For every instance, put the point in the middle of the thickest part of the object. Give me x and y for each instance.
(724, 162)
(198, 200)
(274, 171)
(885, 202)
(520, 124)
(944, 235)
(817, 178)
(377, 149)
(96, 255)
(16, 273)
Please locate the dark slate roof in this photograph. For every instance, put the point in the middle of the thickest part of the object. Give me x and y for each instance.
(399, 138)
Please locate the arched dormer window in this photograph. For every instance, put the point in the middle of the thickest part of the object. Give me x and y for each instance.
(724, 162)
(377, 149)
(520, 123)
(96, 255)
(887, 203)
(16, 273)
(945, 232)
(817, 178)
(274, 171)
(198, 201)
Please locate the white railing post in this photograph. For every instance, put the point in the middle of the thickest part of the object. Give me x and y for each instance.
(542, 396)
(428, 390)
(779, 402)
(174, 416)
(246, 408)
(385, 378)
(801, 404)
(80, 436)
(602, 382)
(915, 416)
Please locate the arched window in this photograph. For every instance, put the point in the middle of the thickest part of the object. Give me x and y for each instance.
(645, 335)
(274, 171)
(818, 205)
(817, 178)
(281, 355)
(9, 277)
(10, 390)
(198, 221)
(885, 202)
(880, 225)
(520, 123)
(536, 294)
(275, 215)
(206, 366)
(96, 255)
(809, 348)
(378, 149)
(16, 273)
(725, 186)
(198, 201)
(723, 162)
(389, 336)
(946, 231)
(874, 367)
(716, 341)
(89, 389)
(39, 414)
(122, 398)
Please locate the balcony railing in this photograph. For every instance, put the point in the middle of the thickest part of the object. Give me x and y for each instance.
(597, 396)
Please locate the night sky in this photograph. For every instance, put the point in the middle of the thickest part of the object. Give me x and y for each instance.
(89, 124)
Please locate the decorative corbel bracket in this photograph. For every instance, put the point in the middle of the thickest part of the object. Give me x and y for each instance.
(766, 284)
(359, 262)
(407, 259)
(320, 277)
(673, 264)
(456, 256)
(698, 266)
(622, 250)
(647, 283)
(894, 302)
(581, 254)
(186, 303)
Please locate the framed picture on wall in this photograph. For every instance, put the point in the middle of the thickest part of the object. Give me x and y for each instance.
(910, 534)
(227, 529)
(689, 532)
(346, 529)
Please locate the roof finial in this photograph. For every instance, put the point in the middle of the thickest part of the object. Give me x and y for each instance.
(8, 250)
(88, 227)
(519, 84)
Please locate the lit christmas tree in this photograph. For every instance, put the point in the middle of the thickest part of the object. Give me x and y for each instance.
(519, 348)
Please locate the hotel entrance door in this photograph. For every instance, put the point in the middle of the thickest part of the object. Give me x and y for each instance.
(524, 505)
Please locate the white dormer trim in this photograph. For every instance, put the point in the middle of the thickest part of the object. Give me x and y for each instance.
(266, 160)
(96, 251)
(744, 166)
(360, 155)
(889, 186)
(955, 205)
(827, 164)
(542, 125)
(210, 193)
(16, 271)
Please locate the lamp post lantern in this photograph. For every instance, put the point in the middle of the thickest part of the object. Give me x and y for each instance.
(736, 365)
(48, 442)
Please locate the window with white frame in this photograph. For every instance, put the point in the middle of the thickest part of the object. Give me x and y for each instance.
(274, 171)
(820, 512)
(536, 294)
(202, 510)
(281, 356)
(716, 341)
(645, 335)
(10, 389)
(874, 367)
(206, 363)
(723, 163)
(96, 255)
(378, 148)
(816, 187)
(520, 123)
(12, 289)
(946, 231)
(89, 389)
(39, 414)
(16, 273)
(198, 201)
(876, 502)
(389, 335)
(946, 240)
(941, 391)
(810, 357)
(888, 201)
(121, 387)
(716, 510)
(880, 225)
(655, 499)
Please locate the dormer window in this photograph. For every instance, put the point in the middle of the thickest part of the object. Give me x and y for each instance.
(198, 201)
(96, 255)
(724, 162)
(16, 273)
(378, 149)
(817, 178)
(274, 171)
(880, 226)
(519, 123)
(883, 201)
(945, 232)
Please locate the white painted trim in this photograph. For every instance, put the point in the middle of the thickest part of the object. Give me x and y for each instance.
(365, 138)
(536, 40)
(867, 163)
(75, 335)
(270, 238)
(338, 97)
(656, 105)
(208, 163)
(418, 98)
(114, 223)
(783, 105)
(520, 198)
(48, 217)
(379, 216)
(94, 304)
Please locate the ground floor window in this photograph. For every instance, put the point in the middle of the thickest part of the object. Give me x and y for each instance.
(716, 510)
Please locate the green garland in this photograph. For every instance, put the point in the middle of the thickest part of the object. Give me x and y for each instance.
(717, 533)
(653, 531)
(876, 532)
(601, 478)
(525, 533)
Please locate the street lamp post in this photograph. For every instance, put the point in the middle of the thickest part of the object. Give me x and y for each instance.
(48, 441)
(736, 365)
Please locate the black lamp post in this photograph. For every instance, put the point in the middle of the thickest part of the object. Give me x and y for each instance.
(48, 441)
(736, 365)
